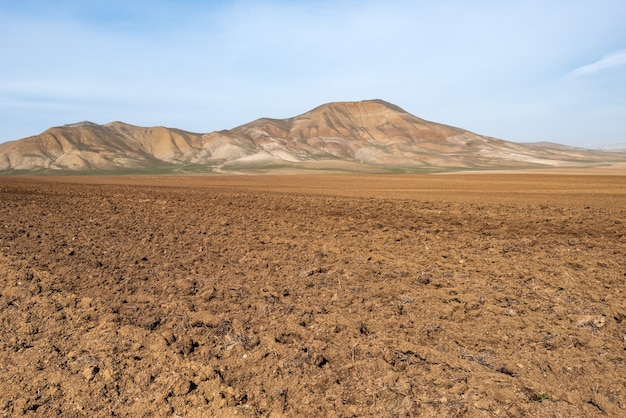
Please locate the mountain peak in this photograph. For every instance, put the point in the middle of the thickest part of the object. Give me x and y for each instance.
(387, 104)
(79, 124)
(361, 106)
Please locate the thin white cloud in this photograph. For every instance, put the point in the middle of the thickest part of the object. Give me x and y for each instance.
(614, 59)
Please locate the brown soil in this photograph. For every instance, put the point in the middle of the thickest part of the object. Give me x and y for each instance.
(337, 296)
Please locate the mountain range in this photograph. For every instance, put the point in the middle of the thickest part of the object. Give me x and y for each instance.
(364, 136)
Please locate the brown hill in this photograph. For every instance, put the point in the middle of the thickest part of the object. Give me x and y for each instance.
(370, 135)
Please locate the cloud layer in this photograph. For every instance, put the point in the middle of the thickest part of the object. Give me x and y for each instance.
(615, 59)
(497, 68)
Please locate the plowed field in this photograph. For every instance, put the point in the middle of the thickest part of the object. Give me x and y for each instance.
(320, 295)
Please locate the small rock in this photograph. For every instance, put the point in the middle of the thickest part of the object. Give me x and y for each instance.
(184, 345)
(599, 321)
(483, 404)
(90, 372)
(182, 387)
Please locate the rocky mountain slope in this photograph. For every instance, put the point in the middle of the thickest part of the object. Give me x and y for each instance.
(370, 135)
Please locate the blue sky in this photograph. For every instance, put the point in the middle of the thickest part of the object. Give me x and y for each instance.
(518, 70)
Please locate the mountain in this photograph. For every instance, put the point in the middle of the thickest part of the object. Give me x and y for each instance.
(371, 135)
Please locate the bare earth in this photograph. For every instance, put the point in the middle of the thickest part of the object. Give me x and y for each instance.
(320, 295)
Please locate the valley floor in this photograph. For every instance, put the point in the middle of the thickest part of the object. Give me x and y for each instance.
(321, 295)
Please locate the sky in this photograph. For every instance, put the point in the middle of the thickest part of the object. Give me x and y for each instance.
(523, 71)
